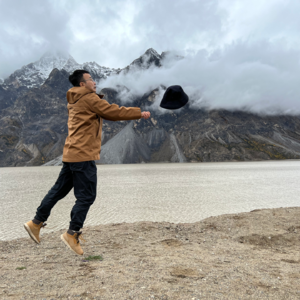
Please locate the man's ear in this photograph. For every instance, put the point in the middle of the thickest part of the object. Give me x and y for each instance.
(81, 83)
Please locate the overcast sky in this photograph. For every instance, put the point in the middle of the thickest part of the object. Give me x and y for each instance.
(228, 44)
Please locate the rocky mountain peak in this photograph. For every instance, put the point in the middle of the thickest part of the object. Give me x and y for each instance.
(55, 59)
(152, 52)
(149, 58)
(145, 61)
(35, 74)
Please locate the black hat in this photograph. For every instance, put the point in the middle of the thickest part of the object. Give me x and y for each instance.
(174, 98)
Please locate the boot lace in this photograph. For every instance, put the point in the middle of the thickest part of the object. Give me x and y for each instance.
(78, 236)
(43, 225)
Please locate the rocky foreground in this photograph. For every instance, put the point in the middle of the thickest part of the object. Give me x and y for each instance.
(251, 255)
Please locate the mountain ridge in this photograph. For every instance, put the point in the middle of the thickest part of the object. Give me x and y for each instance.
(35, 74)
(33, 127)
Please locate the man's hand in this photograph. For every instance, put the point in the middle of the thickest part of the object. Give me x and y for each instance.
(145, 115)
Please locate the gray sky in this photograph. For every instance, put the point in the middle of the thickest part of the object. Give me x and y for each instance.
(238, 53)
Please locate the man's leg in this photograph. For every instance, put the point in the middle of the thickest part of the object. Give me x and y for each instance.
(61, 188)
(85, 189)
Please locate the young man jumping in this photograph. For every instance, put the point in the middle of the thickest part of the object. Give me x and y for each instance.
(86, 112)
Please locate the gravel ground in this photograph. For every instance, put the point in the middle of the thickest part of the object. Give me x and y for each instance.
(251, 255)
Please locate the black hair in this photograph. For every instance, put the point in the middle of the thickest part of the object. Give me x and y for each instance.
(77, 77)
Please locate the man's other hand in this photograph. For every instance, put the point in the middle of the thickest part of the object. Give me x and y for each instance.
(145, 115)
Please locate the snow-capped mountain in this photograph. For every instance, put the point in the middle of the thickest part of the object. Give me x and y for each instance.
(35, 74)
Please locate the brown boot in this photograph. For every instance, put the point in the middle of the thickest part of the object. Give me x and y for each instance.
(33, 228)
(71, 239)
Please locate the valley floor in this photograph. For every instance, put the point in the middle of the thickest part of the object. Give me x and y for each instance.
(251, 255)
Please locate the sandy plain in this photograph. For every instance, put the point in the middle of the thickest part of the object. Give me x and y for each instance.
(175, 193)
(252, 255)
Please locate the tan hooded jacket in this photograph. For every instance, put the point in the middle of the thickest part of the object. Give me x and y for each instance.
(86, 112)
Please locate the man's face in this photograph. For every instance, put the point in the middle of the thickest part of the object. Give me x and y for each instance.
(88, 82)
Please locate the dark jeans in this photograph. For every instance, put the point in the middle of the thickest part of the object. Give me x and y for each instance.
(83, 177)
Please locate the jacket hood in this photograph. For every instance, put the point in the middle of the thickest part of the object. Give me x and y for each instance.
(76, 92)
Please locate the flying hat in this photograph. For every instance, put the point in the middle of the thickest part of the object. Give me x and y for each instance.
(174, 98)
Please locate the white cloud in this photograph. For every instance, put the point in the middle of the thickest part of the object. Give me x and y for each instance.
(28, 29)
(254, 20)
(257, 76)
(238, 53)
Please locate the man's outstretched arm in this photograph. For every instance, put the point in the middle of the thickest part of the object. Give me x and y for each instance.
(114, 112)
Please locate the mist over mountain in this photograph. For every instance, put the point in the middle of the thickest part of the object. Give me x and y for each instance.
(240, 108)
(259, 77)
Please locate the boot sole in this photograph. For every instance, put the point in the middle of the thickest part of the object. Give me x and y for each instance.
(30, 233)
(63, 239)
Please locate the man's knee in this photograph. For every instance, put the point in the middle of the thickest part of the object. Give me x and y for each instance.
(85, 198)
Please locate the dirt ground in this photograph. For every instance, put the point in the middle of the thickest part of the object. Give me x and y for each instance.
(251, 255)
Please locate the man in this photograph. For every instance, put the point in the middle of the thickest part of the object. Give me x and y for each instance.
(86, 112)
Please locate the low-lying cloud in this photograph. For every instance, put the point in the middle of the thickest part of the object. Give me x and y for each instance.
(261, 77)
(238, 54)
